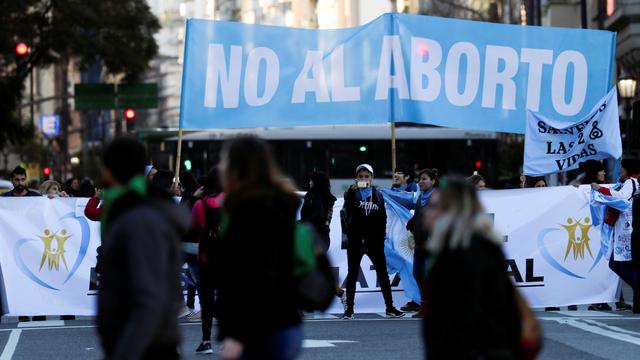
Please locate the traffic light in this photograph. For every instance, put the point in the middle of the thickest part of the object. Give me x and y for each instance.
(478, 164)
(363, 148)
(187, 165)
(22, 49)
(129, 115)
(46, 171)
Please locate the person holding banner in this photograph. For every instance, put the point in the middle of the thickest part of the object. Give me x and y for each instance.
(465, 270)
(403, 180)
(366, 220)
(618, 216)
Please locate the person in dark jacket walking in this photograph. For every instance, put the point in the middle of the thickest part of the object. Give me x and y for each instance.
(140, 281)
(206, 222)
(366, 220)
(317, 210)
(254, 258)
(465, 271)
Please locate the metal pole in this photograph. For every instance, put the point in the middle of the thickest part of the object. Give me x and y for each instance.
(117, 118)
(393, 146)
(583, 13)
(31, 126)
(179, 155)
(627, 114)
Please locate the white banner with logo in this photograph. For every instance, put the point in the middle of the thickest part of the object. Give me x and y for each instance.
(553, 146)
(47, 252)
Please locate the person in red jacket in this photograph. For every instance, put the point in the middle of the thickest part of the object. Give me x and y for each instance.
(93, 211)
(206, 219)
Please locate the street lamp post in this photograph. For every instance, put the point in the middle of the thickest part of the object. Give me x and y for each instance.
(627, 90)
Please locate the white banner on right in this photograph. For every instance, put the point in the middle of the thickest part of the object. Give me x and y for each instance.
(552, 146)
(553, 251)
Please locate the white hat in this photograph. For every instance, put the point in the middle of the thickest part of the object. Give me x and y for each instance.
(367, 167)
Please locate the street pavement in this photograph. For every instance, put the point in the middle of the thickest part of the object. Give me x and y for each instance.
(589, 335)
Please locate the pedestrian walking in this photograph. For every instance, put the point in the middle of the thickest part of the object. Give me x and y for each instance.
(317, 210)
(140, 280)
(366, 221)
(254, 257)
(206, 214)
(191, 192)
(465, 271)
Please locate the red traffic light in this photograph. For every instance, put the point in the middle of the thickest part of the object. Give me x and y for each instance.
(130, 114)
(46, 171)
(478, 164)
(22, 49)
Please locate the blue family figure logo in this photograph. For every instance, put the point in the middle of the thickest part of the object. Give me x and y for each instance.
(55, 254)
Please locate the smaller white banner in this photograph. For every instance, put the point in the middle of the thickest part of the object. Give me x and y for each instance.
(553, 146)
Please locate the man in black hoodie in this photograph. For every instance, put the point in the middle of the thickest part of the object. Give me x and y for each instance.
(140, 281)
(366, 221)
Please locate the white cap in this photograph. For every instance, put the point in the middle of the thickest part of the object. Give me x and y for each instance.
(367, 167)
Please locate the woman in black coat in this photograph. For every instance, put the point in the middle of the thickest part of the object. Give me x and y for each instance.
(465, 270)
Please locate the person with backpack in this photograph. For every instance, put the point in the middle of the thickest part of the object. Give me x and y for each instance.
(621, 221)
(254, 256)
(206, 221)
(366, 222)
(317, 210)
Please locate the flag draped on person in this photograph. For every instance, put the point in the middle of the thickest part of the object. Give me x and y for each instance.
(399, 244)
(553, 146)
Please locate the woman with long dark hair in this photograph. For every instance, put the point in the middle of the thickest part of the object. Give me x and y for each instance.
(254, 257)
(317, 210)
(206, 220)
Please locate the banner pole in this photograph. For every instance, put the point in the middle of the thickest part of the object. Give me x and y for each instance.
(393, 146)
(178, 156)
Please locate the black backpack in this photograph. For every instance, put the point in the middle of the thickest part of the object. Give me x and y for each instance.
(210, 230)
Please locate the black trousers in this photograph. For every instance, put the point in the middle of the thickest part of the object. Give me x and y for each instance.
(357, 248)
(206, 296)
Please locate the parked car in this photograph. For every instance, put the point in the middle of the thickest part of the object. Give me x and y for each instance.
(5, 186)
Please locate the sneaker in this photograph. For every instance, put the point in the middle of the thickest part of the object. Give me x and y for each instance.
(343, 300)
(418, 315)
(552, 308)
(411, 306)
(24, 318)
(348, 315)
(572, 307)
(622, 306)
(39, 318)
(194, 315)
(204, 348)
(394, 313)
(604, 307)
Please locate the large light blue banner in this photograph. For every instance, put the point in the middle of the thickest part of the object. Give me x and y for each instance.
(399, 67)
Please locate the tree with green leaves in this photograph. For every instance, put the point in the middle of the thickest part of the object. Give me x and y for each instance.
(116, 33)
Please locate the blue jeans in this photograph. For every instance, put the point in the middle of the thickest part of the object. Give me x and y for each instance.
(284, 344)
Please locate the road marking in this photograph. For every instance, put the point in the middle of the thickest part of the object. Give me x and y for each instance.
(319, 316)
(601, 329)
(309, 343)
(586, 313)
(612, 327)
(41, 324)
(11, 345)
